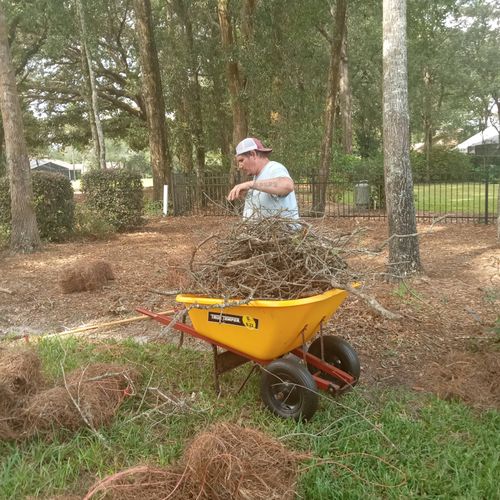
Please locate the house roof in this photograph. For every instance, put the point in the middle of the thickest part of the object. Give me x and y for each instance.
(70, 166)
(488, 136)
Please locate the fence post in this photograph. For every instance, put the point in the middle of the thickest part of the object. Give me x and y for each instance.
(165, 199)
(486, 190)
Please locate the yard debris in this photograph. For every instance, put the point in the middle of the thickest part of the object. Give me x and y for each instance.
(232, 462)
(275, 258)
(20, 371)
(271, 259)
(86, 276)
(20, 376)
(226, 462)
(89, 396)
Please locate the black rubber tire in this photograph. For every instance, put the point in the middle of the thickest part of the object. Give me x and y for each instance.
(337, 352)
(289, 390)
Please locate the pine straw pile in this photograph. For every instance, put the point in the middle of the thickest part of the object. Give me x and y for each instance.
(20, 377)
(86, 276)
(271, 259)
(87, 396)
(226, 462)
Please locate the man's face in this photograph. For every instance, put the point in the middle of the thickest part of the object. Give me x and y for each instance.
(248, 163)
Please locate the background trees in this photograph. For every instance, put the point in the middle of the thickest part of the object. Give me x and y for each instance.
(232, 66)
(226, 68)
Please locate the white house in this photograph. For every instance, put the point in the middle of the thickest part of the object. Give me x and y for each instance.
(72, 170)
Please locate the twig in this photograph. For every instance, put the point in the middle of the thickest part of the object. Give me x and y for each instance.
(379, 248)
(89, 424)
(167, 293)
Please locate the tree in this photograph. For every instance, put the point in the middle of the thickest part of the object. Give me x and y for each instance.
(93, 106)
(153, 97)
(25, 236)
(319, 195)
(187, 87)
(345, 98)
(235, 78)
(404, 256)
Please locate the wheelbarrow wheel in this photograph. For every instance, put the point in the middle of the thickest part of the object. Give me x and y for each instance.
(289, 390)
(336, 352)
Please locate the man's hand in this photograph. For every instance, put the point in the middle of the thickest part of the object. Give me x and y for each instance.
(239, 191)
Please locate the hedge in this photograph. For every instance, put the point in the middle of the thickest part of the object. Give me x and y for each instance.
(116, 195)
(53, 203)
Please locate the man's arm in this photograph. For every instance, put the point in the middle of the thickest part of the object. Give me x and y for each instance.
(279, 186)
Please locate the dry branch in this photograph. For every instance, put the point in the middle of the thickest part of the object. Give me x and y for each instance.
(275, 258)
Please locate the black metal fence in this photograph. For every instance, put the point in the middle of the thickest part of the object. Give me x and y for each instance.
(472, 198)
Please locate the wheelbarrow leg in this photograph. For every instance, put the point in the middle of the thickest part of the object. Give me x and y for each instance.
(254, 367)
(181, 337)
(216, 371)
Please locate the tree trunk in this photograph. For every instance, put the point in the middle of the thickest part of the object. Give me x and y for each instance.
(345, 98)
(153, 97)
(248, 19)
(24, 236)
(319, 193)
(404, 257)
(234, 78)
(95, 121)
(193, 102)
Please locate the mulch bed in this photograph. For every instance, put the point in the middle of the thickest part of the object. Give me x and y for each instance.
(450, 309)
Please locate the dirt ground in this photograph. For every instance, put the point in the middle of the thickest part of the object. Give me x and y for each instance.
(445, 341)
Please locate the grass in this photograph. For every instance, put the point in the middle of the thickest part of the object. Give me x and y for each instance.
(457, 198)
(392, 444)
(466, 198)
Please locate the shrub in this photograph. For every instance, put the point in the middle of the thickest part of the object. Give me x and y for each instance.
(91, 224)
(444, 165)
(116, 195)
(53, 203)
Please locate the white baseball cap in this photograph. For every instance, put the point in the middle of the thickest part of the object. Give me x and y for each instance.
(251, 144)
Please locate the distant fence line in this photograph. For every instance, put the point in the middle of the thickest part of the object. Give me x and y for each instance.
(473, 200)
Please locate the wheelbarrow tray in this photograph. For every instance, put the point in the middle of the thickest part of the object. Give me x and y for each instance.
(262, 329)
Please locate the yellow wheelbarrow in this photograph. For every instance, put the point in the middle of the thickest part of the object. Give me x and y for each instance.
(267, 332)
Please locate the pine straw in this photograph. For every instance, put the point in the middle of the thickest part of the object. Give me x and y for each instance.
(86, 276)
(471, 377)
(20, 376)
(20, 370)
(226, 462)
(270, 259)
(88, 396)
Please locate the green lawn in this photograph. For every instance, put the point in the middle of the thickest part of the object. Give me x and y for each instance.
(367, 444)
(457, 198)
(466, 199)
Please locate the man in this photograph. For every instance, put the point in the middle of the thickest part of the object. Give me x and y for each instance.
(271, 191)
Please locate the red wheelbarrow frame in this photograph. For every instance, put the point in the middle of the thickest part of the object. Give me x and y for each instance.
(232, 358)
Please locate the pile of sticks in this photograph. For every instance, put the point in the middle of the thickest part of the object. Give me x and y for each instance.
(272, 258)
